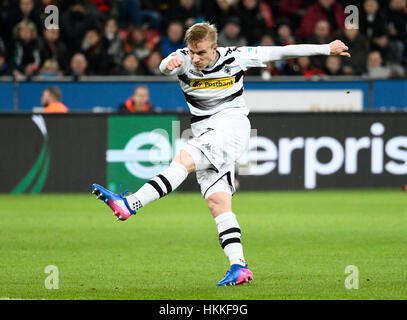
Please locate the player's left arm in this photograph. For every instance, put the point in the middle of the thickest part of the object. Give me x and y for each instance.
(336, 48)
(258, 56)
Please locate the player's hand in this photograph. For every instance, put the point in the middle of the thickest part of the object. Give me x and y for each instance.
(338, 48)
(174, 63)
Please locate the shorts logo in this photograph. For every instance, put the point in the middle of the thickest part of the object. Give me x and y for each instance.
(207, 146)
(222, 83)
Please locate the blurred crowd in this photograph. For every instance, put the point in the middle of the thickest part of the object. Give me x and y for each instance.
(130, 37)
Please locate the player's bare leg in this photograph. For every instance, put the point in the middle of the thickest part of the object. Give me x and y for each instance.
(220, 205)
(219, 202)
(185, 159)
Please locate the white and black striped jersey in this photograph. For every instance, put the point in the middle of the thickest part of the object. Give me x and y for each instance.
(220, 86)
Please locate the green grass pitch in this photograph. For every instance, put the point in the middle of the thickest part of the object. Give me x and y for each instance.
(297, 244)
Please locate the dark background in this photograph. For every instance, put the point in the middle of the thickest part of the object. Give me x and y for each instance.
(77, 145)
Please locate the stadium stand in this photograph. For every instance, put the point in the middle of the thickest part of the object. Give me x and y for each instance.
(106, 32)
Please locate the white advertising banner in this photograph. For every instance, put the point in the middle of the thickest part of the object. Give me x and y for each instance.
(304, 100)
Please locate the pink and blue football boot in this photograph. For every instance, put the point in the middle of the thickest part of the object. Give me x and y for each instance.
(118, 203)
(236, 275)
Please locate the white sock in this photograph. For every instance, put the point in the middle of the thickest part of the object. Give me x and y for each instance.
(229, 237)
(159, 186)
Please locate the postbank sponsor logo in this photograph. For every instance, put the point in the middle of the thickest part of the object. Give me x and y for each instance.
(221, 83)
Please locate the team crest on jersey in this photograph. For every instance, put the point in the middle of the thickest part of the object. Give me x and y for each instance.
(221, 83)
(227, 69)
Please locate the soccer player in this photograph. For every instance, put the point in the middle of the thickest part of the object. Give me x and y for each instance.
(211, 79)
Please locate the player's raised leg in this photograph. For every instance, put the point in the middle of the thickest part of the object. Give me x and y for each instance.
(220, 205)
(159, 186)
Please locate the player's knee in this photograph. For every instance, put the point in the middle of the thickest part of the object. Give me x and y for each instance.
(218, 204)
(186, 160)
(214, 205)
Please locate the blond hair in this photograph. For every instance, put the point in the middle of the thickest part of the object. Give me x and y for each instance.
(25, 23)
(201, 31)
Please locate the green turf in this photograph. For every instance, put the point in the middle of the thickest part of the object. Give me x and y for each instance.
(297, 244)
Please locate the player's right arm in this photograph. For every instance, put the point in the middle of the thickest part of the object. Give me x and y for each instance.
(173, 64)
